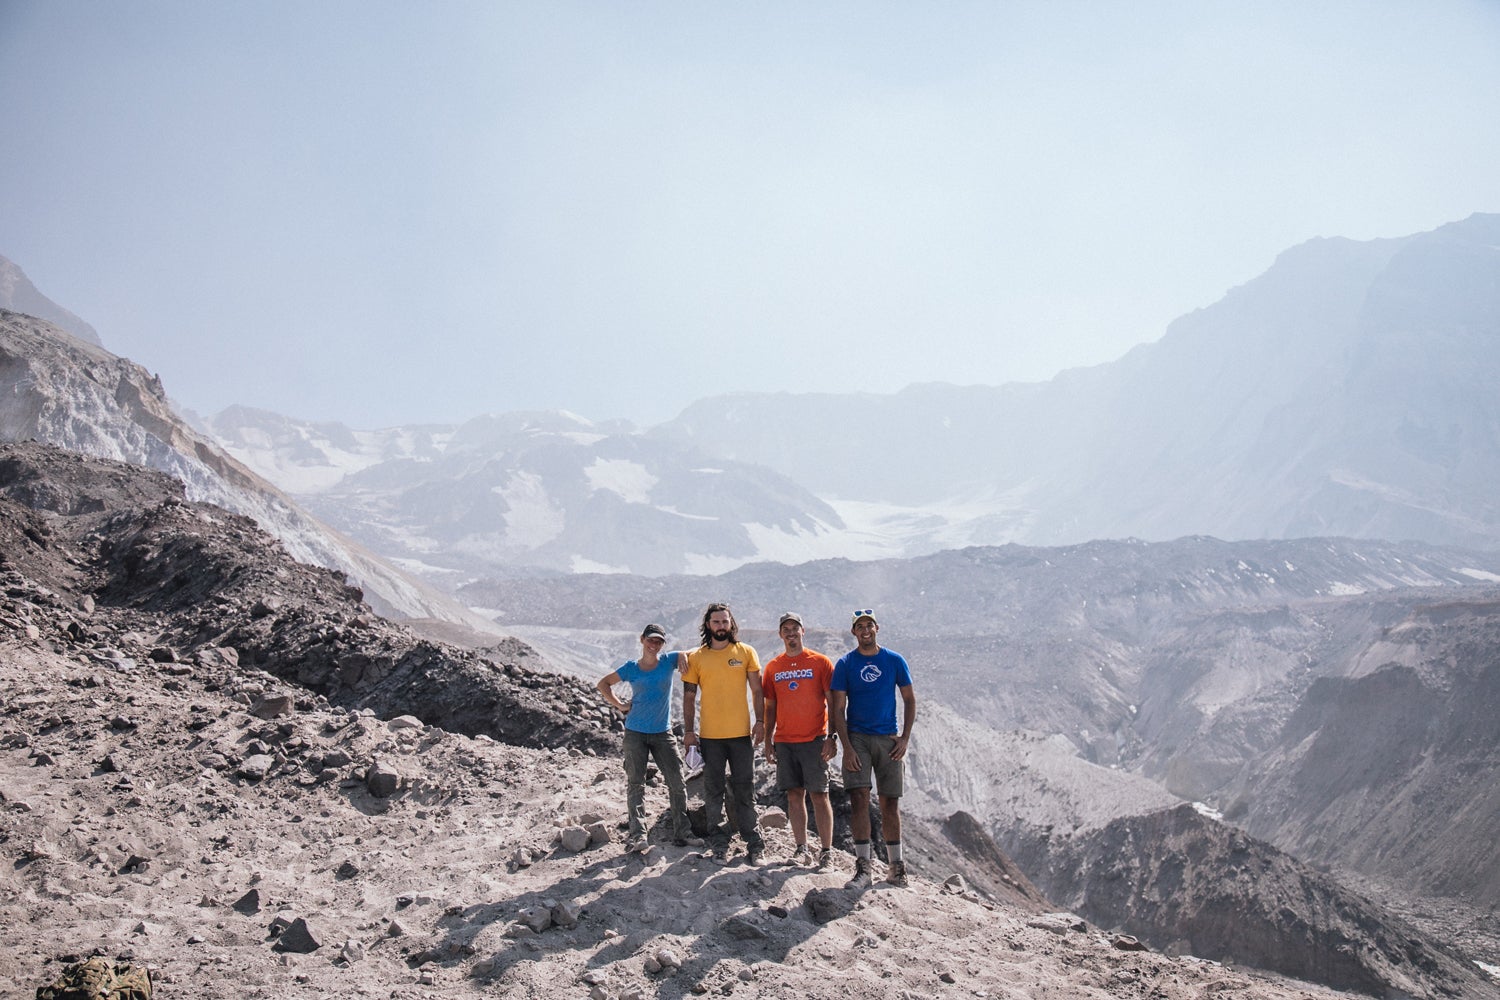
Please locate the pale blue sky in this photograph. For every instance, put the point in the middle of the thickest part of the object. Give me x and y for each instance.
(386, 213)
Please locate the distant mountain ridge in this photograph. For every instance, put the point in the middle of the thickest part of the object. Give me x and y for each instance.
(549, 490)
(1347, 391)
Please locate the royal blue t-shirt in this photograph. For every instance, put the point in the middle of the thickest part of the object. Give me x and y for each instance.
(650, 694)
(871, 683)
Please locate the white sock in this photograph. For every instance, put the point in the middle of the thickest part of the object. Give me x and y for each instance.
(893, 851)
(862, 849)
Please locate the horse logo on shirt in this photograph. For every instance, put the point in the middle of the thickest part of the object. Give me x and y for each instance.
(869, 673)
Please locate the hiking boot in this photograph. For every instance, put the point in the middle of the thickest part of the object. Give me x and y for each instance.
(801, 857)
(825, 860)
(755, 854)
(720, 855)
(861, 879)
(896, 874)
(688, 841)
(635, 845)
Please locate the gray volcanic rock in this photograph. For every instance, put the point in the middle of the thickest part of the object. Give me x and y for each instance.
(194, 575)
(1389, 767)
(1184, 882)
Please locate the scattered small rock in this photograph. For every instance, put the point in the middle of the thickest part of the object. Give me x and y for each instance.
(566, 913)
(1058, 923)
(382, 779)
(538, 918)
(272, 706)
(255, 767)
(743, 928)
(825, 905)
(298, 938)
(773, 819)
(574, 838)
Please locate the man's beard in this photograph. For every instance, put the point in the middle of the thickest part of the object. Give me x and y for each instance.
(720, 635)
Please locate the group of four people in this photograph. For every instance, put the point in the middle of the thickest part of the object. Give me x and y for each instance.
(805, 708)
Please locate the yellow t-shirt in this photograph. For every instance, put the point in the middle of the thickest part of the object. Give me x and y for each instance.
(722, 676)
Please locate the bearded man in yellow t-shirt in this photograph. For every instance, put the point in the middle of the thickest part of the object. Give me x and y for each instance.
(719, 674)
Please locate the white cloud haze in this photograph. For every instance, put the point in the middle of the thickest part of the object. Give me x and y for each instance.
(389, 213)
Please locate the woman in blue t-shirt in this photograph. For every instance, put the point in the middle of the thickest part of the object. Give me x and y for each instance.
(648, 733)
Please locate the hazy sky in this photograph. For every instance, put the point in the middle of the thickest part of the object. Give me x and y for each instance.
(385, 213)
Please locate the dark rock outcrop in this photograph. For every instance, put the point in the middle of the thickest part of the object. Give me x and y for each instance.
(199, 580)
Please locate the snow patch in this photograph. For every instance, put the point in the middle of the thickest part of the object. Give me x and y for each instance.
(417, 567)
(698, 564)
(1203, 809)
(630, 480)
(691, 517)
(1345, 589)
(582, 565)
(531, 519)
(1479, 574)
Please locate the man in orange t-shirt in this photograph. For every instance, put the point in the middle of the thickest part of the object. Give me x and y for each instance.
(798, 741)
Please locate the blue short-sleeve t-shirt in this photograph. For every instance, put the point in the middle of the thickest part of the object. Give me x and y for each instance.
(871, 683)
(651, 694)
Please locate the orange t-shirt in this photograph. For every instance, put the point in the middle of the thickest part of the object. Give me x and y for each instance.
(799, 687)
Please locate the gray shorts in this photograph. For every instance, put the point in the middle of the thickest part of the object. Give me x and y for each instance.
(801, 765)
(876, 766)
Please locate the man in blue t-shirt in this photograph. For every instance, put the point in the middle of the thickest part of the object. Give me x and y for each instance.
(866, 681)
(648, 732)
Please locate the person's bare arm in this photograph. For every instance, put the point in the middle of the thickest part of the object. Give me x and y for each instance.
(606, 687)
(689, 714)
(758, 699)
(909, 704)
(840, 702)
